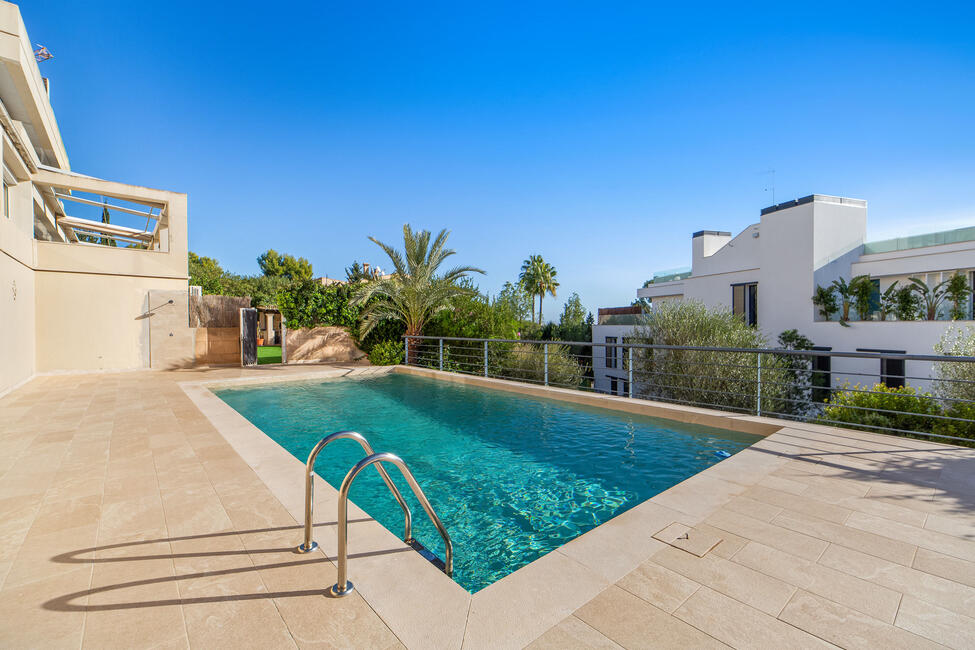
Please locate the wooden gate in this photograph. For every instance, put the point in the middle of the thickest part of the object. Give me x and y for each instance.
(248, 337)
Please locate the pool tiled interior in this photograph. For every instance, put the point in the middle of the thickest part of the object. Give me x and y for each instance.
(138, 510)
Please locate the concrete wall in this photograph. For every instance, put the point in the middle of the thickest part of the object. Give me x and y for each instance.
(17, 337)
(217, 346)
(172, 342)
(321, 344)
(88, 321)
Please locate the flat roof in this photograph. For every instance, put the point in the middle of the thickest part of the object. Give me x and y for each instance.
(817, 198)
(920, 241)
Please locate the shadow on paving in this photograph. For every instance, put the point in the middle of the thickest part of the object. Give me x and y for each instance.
(64, 603)
(947, 470)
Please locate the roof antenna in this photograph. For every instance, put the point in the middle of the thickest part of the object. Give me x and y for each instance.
(771, 185)
(42, 53)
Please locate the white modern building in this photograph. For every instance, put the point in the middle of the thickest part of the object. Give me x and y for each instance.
(768, 273)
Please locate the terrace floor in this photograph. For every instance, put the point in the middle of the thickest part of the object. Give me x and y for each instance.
(128, 517)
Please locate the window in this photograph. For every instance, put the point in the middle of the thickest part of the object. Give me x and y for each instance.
(892, 372)
(821, 379)
(874, 300)
(744, 301)
(624, 387)
(612, 385)
(611, 353)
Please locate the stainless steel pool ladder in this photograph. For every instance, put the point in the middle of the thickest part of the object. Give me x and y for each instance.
(343, 586)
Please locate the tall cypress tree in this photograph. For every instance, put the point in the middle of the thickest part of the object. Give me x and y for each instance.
(106, 241)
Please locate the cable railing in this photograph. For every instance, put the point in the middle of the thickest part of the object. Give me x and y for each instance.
(915, 395)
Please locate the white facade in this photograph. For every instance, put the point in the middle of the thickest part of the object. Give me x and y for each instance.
(795, 247)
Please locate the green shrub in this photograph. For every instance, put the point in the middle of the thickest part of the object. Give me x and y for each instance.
(310, 304)
(901, 408)
(961, 410)
(526, 361)
(956, 380)
(387, 353)
(714, 379)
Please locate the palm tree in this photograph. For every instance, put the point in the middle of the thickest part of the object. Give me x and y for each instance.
(825, 299)
(528, 278)
(414, 292)
(931, 297)
(845, 291)
(538, 279)
(547, 284)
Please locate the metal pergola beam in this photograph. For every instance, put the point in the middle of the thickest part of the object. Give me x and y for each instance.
(106, 228)
(110, 206)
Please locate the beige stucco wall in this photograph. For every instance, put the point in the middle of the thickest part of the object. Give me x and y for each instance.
(16, 323)
(94, 322)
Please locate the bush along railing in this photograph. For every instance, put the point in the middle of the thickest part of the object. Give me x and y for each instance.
(903, 394)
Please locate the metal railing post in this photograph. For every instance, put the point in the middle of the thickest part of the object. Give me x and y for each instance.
(546, 363)
(310, 544)
(758, 397)
(441, 354)
(343, 587)
(485, 358)
(630, 369)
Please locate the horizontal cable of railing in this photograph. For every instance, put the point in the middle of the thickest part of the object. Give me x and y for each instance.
(775, 382)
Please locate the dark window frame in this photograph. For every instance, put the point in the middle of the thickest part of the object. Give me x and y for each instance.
(893, 372)
(744, 301)
(612, 362)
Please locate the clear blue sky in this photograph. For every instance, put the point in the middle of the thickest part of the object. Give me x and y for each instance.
(598, 136)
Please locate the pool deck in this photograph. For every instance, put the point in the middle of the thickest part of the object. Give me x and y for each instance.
(138, 510)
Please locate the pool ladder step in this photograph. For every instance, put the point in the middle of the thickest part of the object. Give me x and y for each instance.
(343, 586)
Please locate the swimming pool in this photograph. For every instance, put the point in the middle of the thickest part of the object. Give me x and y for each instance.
(512, 477)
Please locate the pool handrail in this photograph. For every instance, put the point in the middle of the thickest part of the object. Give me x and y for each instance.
(343, 587)
(310, 544)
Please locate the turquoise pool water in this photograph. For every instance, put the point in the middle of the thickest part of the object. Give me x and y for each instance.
(512, 477)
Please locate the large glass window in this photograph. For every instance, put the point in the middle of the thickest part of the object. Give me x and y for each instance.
(744, 301)
(611, 352)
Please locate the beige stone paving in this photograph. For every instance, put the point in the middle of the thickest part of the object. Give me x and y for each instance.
(128, 518)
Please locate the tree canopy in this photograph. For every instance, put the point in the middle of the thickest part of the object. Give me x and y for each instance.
(275, 264)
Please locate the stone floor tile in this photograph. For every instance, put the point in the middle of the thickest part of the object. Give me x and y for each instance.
(962, 527)
(739, 625)
(658, 585)
(853, 592)
(945, 566)
(635, 623)
(846, 627)
(36, 615)
(940, 625)
(754, 509)
(876, 544)
(751, 587)
(551, 588)
(803, 504)
(930, 539)
(572, 634)
(933, 589)
(770, 534)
